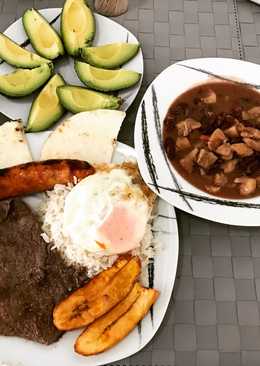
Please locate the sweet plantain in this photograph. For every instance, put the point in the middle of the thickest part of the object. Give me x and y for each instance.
(111, 328)
(96, 329)
(102, 293)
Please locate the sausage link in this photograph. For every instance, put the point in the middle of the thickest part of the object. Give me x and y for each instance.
(41, 176)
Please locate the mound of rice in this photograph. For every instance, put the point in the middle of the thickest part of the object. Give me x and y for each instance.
(51, 215)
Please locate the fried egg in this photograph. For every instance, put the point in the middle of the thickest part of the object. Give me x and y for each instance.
(108, 212)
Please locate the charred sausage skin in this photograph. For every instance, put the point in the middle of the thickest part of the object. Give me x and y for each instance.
(41, 176)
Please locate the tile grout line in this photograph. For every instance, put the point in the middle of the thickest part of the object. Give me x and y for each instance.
(238, 31)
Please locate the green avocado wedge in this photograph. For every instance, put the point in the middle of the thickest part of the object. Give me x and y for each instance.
(43, 37)
(106, 80)
(22, 82)
(78, 99)
(46, 108)
(77, 26)
(17, 56)
(110, 56)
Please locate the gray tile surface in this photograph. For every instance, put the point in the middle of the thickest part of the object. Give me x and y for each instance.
(162, 358)
(224, 289)
(228, 338)
(204, 358)
(203, 288)
(207, 337)
(243, 267)
(184, 337)
(250, 358)
(205, 312)
(222, 267)
(248, 313)
(245, 289)
(183, 312)
(226, 312)
(230, 358)
(213, 319)
(220, 244)
(202, 266)
(185, 358)
(250, 337)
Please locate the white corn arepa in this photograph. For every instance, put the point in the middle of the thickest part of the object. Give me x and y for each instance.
(89, 136)
(14, 149)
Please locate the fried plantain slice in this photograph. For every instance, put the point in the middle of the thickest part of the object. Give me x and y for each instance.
(107, 331)
(101, 294)
(96, 329)
(89, 292)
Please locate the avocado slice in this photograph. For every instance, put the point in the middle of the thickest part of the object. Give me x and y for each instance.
(17, 56)
(44, 39)
(22, 82)
(110, 56)
(77, 26)
(105, 80)
(78, 99)
(46, 108)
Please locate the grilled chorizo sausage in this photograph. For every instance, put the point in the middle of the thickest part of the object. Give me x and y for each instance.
(40, 176)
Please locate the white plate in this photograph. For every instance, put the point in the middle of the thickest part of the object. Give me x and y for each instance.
(25, 353)
(155, 167)
(107, 31)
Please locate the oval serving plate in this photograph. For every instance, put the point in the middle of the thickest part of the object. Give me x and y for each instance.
(165, 228)
(107, 31)
(155, 168)
(256, 1)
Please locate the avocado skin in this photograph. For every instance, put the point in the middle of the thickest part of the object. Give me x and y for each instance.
(47, 69)
(44, 125)
(33, 60)
(74, 52)
(110, 101)
(128, 82)
(86, 55)
(27, 28)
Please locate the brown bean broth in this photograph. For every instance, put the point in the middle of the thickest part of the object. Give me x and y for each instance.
(232, 98)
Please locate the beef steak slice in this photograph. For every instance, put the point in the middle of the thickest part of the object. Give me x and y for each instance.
(33, 278)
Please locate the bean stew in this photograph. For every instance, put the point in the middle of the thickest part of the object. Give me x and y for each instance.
(211, 135)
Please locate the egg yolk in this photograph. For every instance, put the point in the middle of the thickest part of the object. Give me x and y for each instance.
(122, 230)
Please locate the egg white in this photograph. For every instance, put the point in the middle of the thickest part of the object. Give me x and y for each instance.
(94, 200)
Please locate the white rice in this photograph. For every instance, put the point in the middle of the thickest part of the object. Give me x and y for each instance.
(51, 214)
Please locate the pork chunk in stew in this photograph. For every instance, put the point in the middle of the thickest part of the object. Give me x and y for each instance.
(211, 135)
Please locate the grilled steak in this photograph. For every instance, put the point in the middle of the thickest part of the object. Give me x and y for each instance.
(33, 278)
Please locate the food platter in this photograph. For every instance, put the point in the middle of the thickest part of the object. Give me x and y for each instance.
(154, 165)
(107, 31)
(165, 227)
(98, 248)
